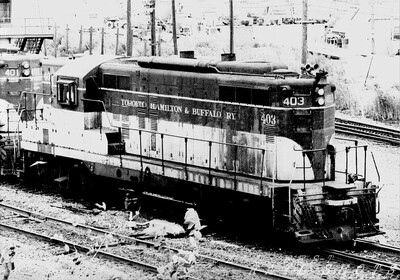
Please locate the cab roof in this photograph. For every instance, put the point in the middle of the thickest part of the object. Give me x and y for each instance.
(83, 66)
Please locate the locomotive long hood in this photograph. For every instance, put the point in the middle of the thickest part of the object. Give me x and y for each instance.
(210, 66)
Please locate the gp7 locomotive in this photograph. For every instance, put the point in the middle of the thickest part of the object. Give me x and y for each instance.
(245, 139)
(19, 72)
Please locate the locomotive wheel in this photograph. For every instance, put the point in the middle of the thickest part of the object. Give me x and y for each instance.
(147, 176)
(36, 169)
(84, 186)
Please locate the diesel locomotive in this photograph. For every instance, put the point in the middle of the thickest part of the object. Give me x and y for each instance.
(232, 136)
(19, 72)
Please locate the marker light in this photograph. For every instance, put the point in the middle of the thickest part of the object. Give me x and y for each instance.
(25, 64)
(26, 72)
(320, 101)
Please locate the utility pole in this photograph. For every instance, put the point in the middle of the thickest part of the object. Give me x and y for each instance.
(153, 26)
(116, 41)
(102, 41)
(55, 40)
(291, 9)
(80, 39)
(231, 26)
(174, 28)
(90, 40)
(304, 37)
(67, 39)
(128, 29)
(372, 26)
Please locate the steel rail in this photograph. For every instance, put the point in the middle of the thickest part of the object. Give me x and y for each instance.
(368, 135)
(386, 129)
(83, 249)
(35, 215)
(370, 131)
(377, 264)
(377, 245)
(365, 129)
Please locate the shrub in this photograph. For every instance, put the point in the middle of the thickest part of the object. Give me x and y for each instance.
(387, 104)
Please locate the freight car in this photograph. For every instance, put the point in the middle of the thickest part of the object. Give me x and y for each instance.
(244, 139)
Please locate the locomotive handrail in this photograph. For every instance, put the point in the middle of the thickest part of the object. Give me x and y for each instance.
(34, 96)
(364, 189)
(356, 153)
(8, 120)
(290, 193)
(32, 110)
(172, 135)
(356, 147)
(304, 152)
(312, 194)
(37, 93)
(376, 167)
(324, 193)
(356, 158)
(186, 138)
(195, 139)
(309, 151)
(365, 161)
(17, 136)
(104, 107)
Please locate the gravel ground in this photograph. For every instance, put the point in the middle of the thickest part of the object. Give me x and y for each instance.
(36, 260)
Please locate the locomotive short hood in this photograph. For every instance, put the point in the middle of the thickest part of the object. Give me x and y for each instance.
(84, 66)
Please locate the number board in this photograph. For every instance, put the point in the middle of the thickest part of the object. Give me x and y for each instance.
(294, 101)
(12, 72)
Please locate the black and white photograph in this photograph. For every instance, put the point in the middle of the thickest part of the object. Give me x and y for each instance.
(199, 139)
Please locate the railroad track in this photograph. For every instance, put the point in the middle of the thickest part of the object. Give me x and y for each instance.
(376, 263)
(378, 246)
(120, 240)
(369, 131)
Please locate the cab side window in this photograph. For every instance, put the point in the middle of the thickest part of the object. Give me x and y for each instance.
(117, 82)
(67, 92)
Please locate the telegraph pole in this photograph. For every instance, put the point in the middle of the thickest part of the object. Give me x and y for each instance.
(372, 26)
(304, 41)
(128, 29)
(174, 28)
(153, 26)
(231, 25)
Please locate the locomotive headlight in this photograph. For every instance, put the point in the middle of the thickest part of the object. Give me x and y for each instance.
(320, 101)
(25, 64)
(321, 91)
(26, 72)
